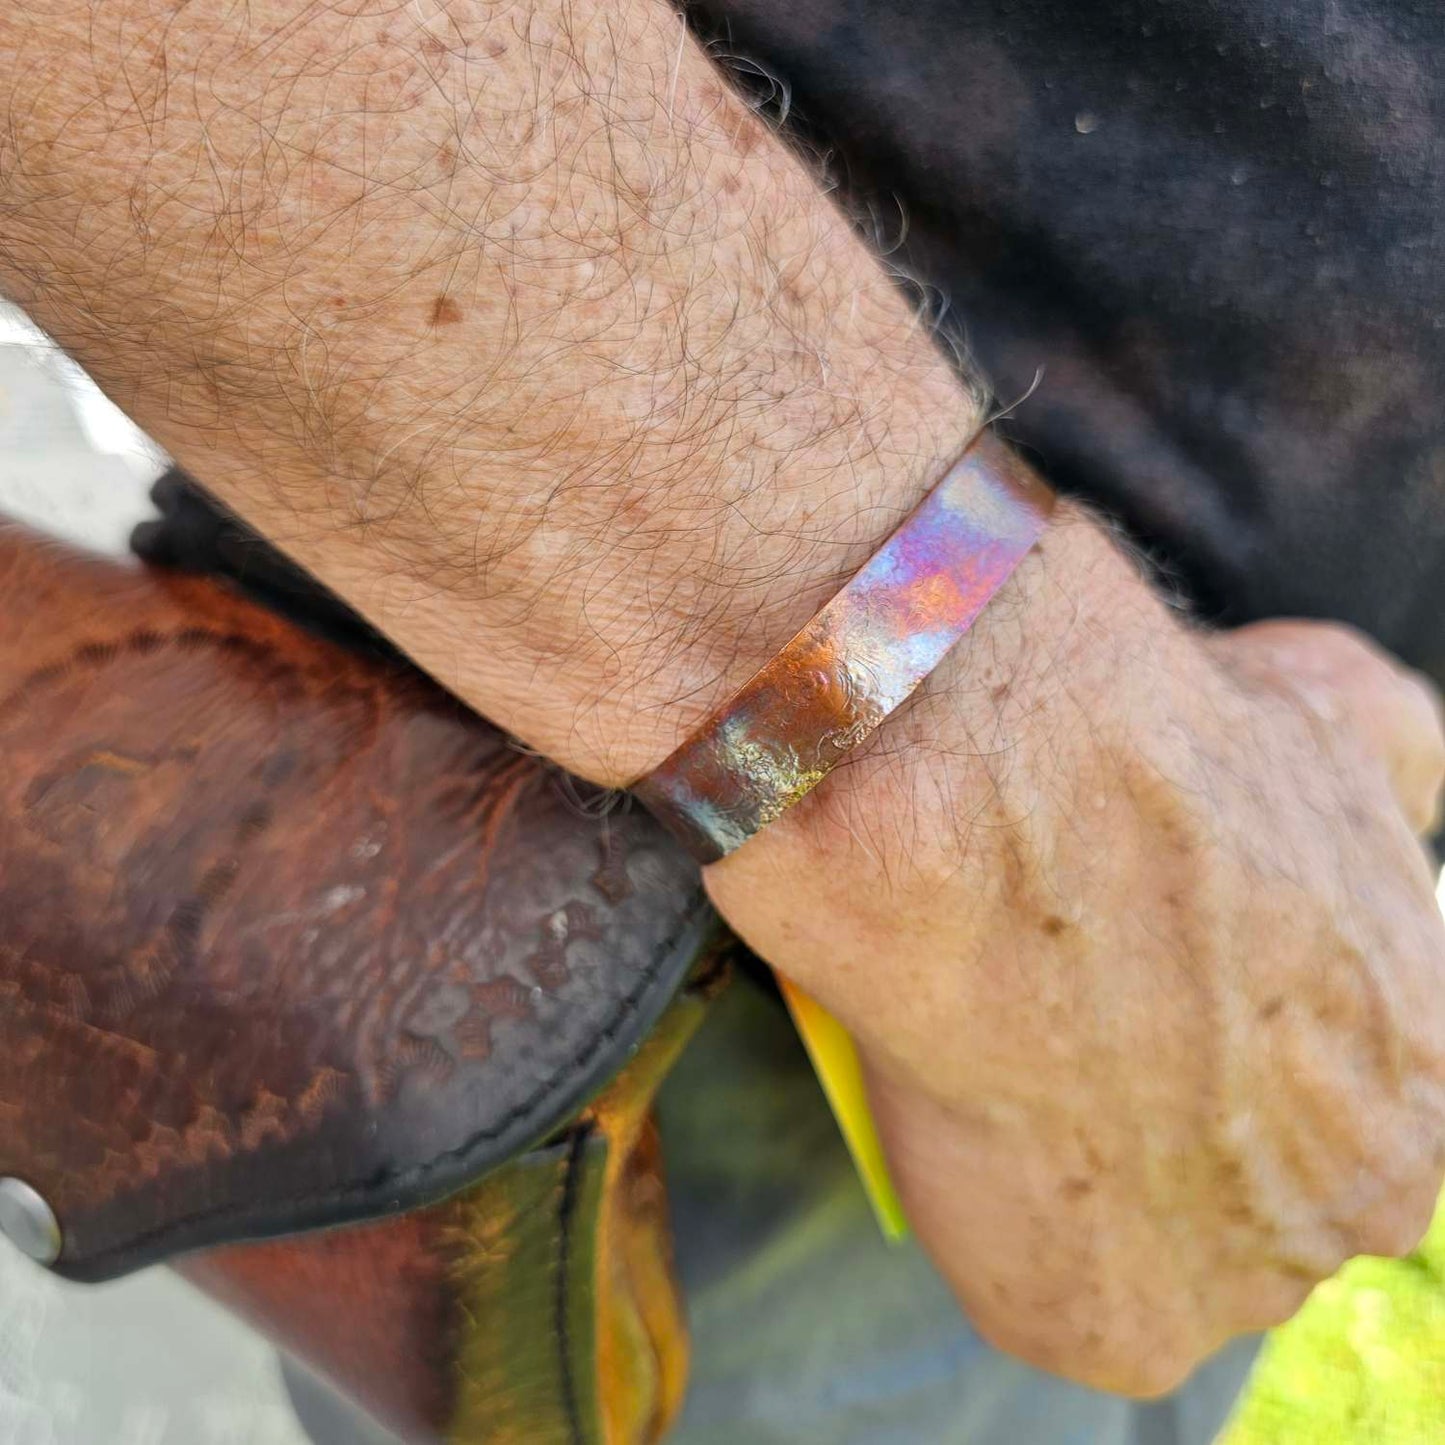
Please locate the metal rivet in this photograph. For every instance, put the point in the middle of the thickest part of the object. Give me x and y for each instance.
(28, 1222)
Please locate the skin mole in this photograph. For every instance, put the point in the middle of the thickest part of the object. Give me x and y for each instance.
(749, 136)
(445, 312)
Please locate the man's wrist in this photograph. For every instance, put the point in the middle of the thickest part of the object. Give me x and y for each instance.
(1075, 648)
(592, 470)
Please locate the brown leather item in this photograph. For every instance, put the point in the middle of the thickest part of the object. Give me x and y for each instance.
(537, 1306)
(287, 937)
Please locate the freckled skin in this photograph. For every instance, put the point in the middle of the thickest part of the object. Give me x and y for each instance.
(608, 491)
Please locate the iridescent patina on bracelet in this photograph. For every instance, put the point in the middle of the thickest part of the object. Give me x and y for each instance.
(795, 720)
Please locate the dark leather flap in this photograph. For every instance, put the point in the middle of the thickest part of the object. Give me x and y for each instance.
(287, 937)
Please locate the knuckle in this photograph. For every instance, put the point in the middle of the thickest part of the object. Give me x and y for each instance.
(1159, 1372)
(1433, 746)
(1277, 1300)
(1396, 1228)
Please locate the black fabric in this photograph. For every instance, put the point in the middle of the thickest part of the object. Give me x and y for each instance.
(1216, 226)
(195, 533)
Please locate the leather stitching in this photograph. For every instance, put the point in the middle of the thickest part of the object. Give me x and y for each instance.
(348, 1203)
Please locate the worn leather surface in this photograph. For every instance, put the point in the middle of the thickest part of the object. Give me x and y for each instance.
(287, 937)
(539, 1305)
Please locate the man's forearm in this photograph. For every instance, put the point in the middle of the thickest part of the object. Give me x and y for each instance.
(512, 322)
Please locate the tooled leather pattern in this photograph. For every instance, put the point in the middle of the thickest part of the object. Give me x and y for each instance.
(286, 935)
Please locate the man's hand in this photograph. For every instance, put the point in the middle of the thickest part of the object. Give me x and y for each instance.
(518, 329)
(1147, 974)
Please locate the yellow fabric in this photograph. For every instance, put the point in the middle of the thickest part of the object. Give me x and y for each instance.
(835, 1060)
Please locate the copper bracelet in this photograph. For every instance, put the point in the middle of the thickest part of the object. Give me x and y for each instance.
(796, 719)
